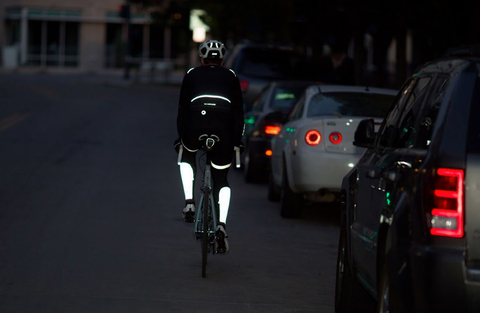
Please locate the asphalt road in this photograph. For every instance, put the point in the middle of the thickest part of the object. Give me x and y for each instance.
(90, 212)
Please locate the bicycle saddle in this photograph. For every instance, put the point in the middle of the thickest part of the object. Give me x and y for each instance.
(209, 140)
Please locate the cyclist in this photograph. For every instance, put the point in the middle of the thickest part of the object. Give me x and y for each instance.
(210, 103)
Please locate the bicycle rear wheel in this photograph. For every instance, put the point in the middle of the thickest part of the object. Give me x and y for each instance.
(205, 236)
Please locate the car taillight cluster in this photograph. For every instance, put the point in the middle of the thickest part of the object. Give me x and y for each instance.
(313, 137)
(272, 129)
(447, 212)
(243, 85)
(336, 138)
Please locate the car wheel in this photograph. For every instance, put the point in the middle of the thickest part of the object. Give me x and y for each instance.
(250, 173)
(383, 302)
(273, 189)
(290, 202)
(349, 295)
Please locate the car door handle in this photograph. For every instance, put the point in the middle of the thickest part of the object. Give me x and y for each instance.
(390, 176)
(374, 173)
(377, 173)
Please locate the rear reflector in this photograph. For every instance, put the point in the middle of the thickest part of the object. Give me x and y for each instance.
(447, 214)
(243, 85)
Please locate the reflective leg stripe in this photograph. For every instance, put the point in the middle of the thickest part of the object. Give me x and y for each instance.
(220, 167)
(186, 173)
(180, 153)
(211, 96)
(224, 203)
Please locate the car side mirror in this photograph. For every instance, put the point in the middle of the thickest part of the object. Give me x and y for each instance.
(365, 133)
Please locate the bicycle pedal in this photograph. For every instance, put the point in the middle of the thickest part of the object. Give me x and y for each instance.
(211, 240)
(220, 249)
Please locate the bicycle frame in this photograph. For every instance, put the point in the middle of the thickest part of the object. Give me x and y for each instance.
(206, 195)
(206, 217)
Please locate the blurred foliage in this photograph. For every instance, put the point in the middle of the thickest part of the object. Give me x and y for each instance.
(440, 23)
(309, 25)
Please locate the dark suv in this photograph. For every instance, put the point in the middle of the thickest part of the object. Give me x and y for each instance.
(257, 64)
(410, 223)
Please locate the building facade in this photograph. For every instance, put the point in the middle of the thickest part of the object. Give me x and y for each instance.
(86, 35)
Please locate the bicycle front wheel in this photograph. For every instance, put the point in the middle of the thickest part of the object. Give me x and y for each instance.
(205, 236)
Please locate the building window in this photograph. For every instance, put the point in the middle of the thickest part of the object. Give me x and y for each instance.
(52, 43)
(44, 37)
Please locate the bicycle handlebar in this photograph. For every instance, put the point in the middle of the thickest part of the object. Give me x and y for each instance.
(237, 157)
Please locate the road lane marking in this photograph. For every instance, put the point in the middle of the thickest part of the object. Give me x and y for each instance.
(12, 120)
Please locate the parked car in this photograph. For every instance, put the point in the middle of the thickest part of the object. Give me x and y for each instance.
(258, 64)
(410, 222)
(314, 149)
(264, 121)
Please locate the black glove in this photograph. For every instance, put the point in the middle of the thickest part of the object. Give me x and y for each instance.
(176, 144)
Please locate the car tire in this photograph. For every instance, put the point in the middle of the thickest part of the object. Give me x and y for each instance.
(250, 173)
(290, 202)
(349, 295)
(273, 189)
(383, 301)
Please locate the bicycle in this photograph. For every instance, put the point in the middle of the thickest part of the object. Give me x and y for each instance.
(206, 218)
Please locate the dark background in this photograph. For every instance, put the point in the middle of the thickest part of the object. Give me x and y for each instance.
(309, 25)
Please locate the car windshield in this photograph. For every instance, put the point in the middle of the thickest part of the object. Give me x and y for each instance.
(349, 104)
(271, 64)
(285, 97)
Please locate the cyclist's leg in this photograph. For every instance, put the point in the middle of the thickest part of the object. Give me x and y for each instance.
(221, 191)
(221, 159)
(187, 172)
(221, 162)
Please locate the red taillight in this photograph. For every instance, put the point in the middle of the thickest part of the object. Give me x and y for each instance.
(313, 137)
(336, 138)
(447, 213)
(243, 85)
(272, 129)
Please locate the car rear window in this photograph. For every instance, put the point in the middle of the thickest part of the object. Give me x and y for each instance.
(285, 97)
(349, 104)
(272, 64)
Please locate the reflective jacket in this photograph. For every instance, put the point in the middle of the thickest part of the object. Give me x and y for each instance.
(211, 101)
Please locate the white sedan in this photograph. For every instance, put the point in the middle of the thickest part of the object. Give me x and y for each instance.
(314, 149)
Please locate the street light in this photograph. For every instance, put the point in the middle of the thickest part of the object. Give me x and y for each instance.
(198, 27)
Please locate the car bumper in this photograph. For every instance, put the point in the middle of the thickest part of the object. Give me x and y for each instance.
(440, 282)
(314, 171)
(258, 147)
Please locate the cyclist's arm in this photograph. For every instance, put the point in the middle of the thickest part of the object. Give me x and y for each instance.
(237, 113)
(183, 105)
